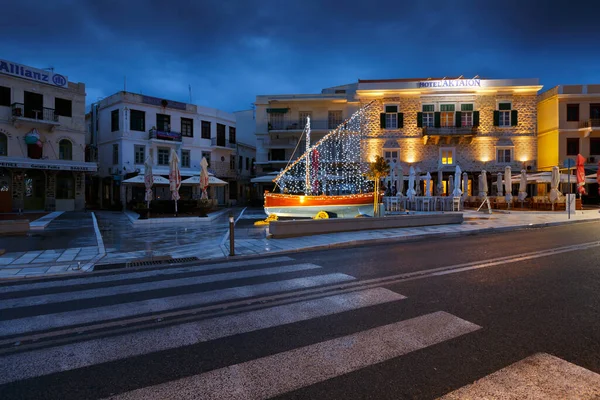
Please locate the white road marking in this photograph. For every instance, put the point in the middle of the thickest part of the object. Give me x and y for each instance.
(82, 354)
(154, 285)
(280, 373)
(124, 275)
(83, 316)
(539, 377)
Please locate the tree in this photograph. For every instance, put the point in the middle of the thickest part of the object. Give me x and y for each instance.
(378, 169)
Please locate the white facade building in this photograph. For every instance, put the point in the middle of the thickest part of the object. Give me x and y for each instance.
(42, 140)
(131, 126)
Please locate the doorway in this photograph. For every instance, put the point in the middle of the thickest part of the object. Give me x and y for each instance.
(5, 191)
(34, 190)
(34, 105)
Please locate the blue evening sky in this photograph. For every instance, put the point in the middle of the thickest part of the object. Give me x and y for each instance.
(231, 50)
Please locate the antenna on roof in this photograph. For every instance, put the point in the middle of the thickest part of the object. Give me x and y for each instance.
(443, 78)
(190, 87)
(476, 77)
(460, 77)
(51, 69)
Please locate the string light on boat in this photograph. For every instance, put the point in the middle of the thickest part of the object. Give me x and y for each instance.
(335, 163)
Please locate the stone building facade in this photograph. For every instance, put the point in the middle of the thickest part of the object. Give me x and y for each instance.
(430, 124)
(42, 140)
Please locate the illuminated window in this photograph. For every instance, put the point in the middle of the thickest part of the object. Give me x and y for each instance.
(447, 115)
(504, 155)
(447, 156)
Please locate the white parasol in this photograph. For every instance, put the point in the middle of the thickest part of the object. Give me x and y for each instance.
(465, 184)
(508, 184)
(204, 177)
(499, 185)
(148, 179)
(457, 192)
(440, 186)
(400, 174)
(523, 186)
(174, 177)
(554, 182)
(450, 184)
(428, 184)
(410, 192)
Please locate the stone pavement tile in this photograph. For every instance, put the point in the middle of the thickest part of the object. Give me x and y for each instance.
(7, 260)
(57, 268)
(65, 258)
(42, 260)
(30, 271)
(57, 251)
(9, 271)
(83, 257)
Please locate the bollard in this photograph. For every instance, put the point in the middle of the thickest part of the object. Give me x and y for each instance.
(231, 238)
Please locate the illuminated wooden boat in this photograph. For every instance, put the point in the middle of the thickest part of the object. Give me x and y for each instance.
(342, 206)
(314, 181)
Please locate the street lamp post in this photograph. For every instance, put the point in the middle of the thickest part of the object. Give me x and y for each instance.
(231, 236)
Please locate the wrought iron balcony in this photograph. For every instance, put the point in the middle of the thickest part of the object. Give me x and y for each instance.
(222, 142)
(450, 130)
(164, 135)
(41, 115)
(590, 123)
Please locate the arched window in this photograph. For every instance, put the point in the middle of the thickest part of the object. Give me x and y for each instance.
(3, 145)
(65, 150)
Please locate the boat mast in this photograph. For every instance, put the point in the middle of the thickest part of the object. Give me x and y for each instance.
(308, 187)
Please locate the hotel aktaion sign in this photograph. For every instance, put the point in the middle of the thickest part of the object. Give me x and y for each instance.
(450, 83)
(34, 74)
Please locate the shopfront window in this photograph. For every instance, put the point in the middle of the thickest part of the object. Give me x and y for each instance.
(65, 150)
(65, 185)
(3, 145)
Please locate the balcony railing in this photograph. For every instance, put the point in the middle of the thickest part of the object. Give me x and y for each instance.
(450, 130)
(222, 143)
(296, 125)
(222, 169)
(43, 114)
(590, 123)
(279, 143)
(164, 135)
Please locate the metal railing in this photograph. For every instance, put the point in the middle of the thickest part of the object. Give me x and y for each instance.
(297, 125)
(164, 135)
(590, 123)
(44, 114)
(222, 142)
(450, 130)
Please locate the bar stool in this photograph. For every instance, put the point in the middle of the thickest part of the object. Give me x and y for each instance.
(426, 203)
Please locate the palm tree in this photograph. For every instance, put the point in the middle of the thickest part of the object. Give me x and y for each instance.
(377, 170)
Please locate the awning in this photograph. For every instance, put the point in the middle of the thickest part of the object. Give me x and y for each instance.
(158, 180)
(265, 178)
(53, 165)
(277, 110)
(212, 181)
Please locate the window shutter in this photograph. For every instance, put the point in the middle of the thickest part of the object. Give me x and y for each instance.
(496, 118)
(400, 120)
(437, 119)
(458, 121)
(475, 118)
(514, 118)
(419, 120)
(382, 120)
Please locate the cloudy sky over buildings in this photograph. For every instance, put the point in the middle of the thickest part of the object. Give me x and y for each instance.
(229, 51)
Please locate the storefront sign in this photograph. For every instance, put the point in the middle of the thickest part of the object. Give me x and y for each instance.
(48, 166)
(34, 74)
(447, 83)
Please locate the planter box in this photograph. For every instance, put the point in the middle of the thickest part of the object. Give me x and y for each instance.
(281, 229)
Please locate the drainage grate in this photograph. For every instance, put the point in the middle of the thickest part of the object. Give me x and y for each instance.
(159, 261)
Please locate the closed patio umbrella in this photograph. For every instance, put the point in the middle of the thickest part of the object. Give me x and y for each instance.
(428, 184)
(554, 182)
(450, 185)
(523, 187)
(174, 177)
(508, 185)
(400, 179)
(440, 185)
(410, 192)
(465, 178)
(457, 192)
(418, 185)
(483, 184)
(499, 185)
(148, 179)
(580, 175)
(204, 177)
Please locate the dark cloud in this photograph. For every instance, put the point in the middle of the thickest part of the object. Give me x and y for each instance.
(230, 51)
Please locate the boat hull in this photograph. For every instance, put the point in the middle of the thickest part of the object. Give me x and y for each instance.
(343, 206)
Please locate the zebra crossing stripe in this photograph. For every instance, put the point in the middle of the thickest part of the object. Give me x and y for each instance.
(124, 275)
(82, 354)
(283, 372)
(105, 313)
(147, 286)
(540, 376)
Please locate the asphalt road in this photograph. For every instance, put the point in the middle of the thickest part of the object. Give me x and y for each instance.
(407, 320)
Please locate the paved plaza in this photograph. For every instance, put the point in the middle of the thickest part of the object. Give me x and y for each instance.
(75, 242)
